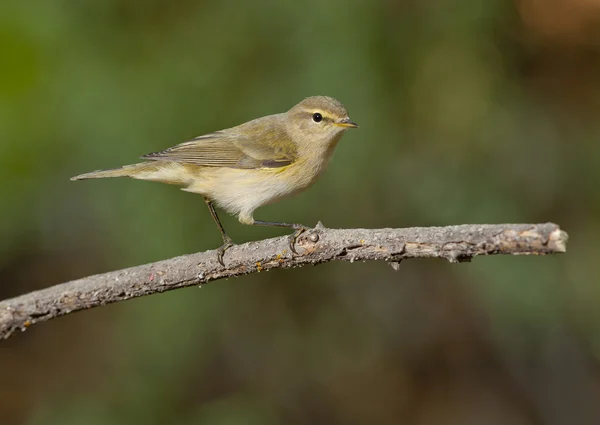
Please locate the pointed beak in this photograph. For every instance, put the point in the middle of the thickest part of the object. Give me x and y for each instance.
(346, 123)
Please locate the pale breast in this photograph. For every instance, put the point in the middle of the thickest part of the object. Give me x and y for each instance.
(241, 191)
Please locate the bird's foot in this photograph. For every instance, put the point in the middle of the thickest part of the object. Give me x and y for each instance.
(293, 238)
(227, 243)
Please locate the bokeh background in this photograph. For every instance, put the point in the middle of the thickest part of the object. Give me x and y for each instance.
(470, 112)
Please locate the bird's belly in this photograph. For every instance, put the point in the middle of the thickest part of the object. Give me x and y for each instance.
(241, 191)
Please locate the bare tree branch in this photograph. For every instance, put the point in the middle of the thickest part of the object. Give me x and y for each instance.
(320, 245)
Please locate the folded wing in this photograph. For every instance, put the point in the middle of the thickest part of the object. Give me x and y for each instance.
(269, 147)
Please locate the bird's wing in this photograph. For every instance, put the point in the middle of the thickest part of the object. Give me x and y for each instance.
(234, 148)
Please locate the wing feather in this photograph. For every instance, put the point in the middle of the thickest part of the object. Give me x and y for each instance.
(234, 148)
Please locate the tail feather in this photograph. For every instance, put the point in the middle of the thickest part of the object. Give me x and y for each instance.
(159, 171)
(125, 171)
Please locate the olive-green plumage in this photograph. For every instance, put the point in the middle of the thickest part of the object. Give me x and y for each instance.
(252, 164)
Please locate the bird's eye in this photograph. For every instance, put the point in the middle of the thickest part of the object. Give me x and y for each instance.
(317, 117)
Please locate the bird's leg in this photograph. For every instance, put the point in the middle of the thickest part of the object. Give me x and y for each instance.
(299, 229)
(227, 242)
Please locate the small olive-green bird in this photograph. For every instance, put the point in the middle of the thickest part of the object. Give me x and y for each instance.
(251, 165)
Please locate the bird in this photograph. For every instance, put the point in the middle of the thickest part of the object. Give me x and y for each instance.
(250, 165)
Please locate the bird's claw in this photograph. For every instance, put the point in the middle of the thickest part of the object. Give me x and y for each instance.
(227, 243)
(294, 237)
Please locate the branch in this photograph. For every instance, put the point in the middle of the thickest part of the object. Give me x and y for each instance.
(320, 245)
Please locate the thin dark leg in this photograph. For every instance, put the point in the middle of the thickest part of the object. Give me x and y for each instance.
(215, 217)
(279, 224)
(300, 228)
(227, 242)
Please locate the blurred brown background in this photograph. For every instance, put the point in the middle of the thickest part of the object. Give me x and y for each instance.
(470, 112)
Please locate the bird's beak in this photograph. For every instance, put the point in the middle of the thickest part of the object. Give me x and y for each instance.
(346, 123)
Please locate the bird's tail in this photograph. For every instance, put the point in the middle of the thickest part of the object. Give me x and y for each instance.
(134, 170)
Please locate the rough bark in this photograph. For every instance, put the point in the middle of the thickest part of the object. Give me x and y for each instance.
(320, 245)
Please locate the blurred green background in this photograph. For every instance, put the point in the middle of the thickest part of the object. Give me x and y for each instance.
(470, 112)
